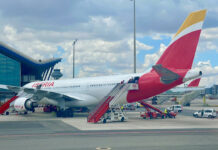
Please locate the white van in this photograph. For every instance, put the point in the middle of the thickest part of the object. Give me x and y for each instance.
(205, 113)
(175, 108)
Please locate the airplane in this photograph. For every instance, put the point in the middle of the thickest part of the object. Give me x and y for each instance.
(172, 69)
(176, 92)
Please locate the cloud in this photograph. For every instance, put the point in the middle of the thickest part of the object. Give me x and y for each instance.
(209, 33)
(203, 63)
(27, 43)
(151, 59)
(142, 46)
(209, 39)
(10, 33)
(93, 56)
(104, 29)
(107, 28)
(207, 69)
(68, 15)
(98, 57)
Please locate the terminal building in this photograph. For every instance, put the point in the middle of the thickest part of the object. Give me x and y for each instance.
(18, 69)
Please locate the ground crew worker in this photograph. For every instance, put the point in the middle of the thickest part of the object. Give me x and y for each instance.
(121, 108)
(165, 111)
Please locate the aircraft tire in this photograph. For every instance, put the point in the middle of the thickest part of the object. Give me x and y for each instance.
(69, 113)
(210, 116)
(58, 114)
(104, 120)
(122, 119)
(64, 113)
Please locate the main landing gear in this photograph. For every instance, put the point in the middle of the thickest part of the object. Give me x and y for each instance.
(65, 113)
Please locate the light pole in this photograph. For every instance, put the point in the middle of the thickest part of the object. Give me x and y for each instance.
(74, 43)
(134, 38)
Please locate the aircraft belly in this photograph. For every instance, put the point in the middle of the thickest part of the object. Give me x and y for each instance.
(92, 102)
(46, 100)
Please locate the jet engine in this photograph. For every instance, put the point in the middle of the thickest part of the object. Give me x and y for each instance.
(23, 104)
(192, 74)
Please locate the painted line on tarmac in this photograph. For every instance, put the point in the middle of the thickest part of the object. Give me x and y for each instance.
(110, 133)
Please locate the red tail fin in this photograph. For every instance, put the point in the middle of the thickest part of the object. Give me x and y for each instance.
(194, 83)
(181, 51)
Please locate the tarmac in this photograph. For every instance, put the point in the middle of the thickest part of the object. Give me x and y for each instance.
(44, 131)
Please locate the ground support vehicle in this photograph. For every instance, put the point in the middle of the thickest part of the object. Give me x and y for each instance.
(152, 115)
(205, 113)
(171, 114)
(175, 108)
(114, 114)
(157, 113)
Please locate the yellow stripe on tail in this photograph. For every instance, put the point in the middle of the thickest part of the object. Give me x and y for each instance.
(193, 18)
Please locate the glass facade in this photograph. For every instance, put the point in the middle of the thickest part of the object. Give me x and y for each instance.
(10, 71)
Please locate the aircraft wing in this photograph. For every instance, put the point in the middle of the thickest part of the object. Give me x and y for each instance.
(187, 89)
(193, 86)
(78, 99)
(15, 89)
(3, 86)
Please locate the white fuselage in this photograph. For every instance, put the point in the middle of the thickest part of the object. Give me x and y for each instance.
(97, 87)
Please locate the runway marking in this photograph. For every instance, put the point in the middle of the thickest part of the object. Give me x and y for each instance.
(109, 133)
(103, 148)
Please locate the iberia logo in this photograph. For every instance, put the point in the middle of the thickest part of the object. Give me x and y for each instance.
(44, 84)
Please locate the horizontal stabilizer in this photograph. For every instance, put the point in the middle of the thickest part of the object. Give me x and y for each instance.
(166, 75)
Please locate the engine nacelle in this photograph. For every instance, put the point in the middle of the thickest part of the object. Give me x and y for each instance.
(192, 74)
(23, 104)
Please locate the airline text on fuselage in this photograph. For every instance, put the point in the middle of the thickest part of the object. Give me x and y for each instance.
(44, 84)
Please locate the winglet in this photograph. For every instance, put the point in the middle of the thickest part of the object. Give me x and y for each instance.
(166, 75)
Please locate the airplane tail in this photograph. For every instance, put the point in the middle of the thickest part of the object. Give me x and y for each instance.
(194, 83)
(181, 51)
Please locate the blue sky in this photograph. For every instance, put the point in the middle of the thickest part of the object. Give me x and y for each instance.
(154, 43)
(211, 55)
(104, 29)
(204, 55)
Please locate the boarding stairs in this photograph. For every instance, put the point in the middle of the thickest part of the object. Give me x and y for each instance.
(148, 107)
(187, 98)
(6, 105)
(154, 114)
(110, 102)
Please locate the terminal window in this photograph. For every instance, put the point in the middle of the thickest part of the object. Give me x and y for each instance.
(28, 78)
(10, 71)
